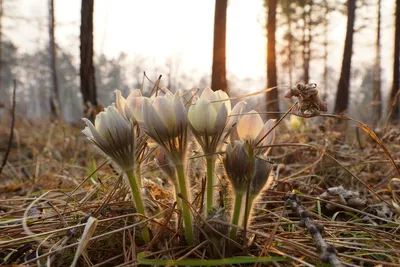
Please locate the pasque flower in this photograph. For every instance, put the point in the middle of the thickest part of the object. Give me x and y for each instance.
(243, 167)
(165, 121)
(245, 164)
(165, 118)
(114, 136)
(131, 107)
(250, 128)
(248, 174)
(208, 115)
(209, 122)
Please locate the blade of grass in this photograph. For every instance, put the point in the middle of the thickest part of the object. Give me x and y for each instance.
(141, 257)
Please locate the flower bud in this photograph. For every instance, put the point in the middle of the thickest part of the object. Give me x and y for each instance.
(114, 136)
(165, 164)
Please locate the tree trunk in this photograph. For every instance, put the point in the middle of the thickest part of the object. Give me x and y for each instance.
(272, 96)
(396, 68)
(3, 94)
(306, 40)
(377, 98)
(326, 42)
(218, 76)
(88, 85)
(290, 42)
(342, 96)
(55, 97)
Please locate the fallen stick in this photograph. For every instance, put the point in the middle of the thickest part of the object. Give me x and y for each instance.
(328, 252)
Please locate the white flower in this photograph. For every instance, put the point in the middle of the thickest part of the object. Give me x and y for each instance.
(165, 117)
(131, 107)
(114, 135)
(206, 119)
(251, 128)
(208, 115)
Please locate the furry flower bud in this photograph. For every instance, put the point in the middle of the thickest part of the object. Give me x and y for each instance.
(114, 136)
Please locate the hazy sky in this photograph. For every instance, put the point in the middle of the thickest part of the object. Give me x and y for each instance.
(181, 28)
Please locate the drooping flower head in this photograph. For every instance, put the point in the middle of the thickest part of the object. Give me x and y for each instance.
(114, 135)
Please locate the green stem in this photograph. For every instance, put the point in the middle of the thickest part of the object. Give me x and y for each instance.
(236, 213)
(138, 174)
(137, 200)
(187, 216)
(248, 210)
(210, 184)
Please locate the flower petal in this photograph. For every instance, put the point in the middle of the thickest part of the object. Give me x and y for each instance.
(269, 139)
(120, 103)
(154, 126)
(220, 121)
(202, 117)
(208, 94)
(249, 126)
(181, 119)
(234, 115)
(165, 111)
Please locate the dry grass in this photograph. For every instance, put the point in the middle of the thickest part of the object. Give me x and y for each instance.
(44, 205)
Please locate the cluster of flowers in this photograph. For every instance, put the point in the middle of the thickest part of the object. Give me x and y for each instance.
(122, 130)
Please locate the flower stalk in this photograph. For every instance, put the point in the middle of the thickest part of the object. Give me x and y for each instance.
(182, 187)
(137, 200)
(210, 160)
(236, 213)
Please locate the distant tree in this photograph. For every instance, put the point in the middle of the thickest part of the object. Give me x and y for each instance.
(110, 75)
(218, 76)
(2, 93)
(288, 11)
(363, 107)
(306, 37)
(325, 45)
(396, 66)
(272, 81)
(87, 72)
(377, 98)
(55, 97)
(342, 95)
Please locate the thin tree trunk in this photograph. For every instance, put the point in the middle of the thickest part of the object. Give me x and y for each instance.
(55, 98)
(290, 43)
(342, 96)
(377, 98)
(309, 40)
(272, 96)
(1, 44)
(306, 40)
(218, 76)
(326, 42)
(3, 94)
(396, 67)
(87, 72)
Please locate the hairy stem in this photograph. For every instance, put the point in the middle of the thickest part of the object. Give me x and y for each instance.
(236, 213)
(246, 216)
(187, 216)
(210, 184)
(137, 200)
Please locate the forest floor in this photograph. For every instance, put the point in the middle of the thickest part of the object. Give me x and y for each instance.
(54, 180)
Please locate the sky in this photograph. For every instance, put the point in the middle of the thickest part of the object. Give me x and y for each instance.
(182, 29)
